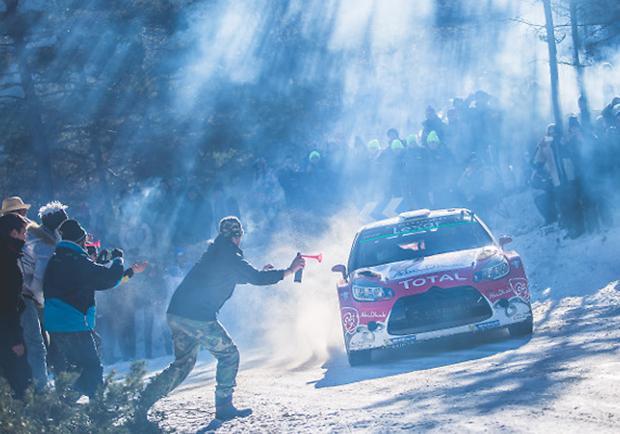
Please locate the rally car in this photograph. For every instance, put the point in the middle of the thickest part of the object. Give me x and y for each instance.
(429, 274)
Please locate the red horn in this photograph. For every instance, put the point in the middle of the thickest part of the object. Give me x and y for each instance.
(318, 257)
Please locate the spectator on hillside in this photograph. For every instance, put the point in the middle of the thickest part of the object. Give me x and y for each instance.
(71, 279)
(609, 113)
(194, 218)
(582, 146)
(544, 197)
(417, 156)
(442, 172)
(584, 113)
(478, 185)
(40, 244)
(432, 123)
(13, 363)
(392, 134)
(456, 137)
(558, 161)
(485, 124)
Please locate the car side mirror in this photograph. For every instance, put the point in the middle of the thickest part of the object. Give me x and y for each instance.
(505, 239)
(340, 269)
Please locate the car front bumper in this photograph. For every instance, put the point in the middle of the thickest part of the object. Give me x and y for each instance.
(376, 334)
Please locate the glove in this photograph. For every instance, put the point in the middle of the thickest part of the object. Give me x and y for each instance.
(104, 256)
(117, 253)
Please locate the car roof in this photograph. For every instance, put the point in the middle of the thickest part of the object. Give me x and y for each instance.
(419, 214)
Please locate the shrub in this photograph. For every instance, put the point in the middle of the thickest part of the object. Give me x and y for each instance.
(57, 411)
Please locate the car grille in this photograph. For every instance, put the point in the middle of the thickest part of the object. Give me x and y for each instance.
(437, 309)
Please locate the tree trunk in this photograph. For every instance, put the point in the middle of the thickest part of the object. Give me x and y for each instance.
(553, 65)
(581, 85)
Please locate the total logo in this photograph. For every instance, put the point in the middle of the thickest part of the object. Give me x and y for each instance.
(436, 278)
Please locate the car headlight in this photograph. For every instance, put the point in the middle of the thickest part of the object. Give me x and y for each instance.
(497, 268)
(371, 293)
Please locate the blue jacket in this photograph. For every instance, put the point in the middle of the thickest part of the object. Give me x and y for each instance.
(69, 286)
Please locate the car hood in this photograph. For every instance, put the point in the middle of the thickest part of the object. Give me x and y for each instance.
(459, 260)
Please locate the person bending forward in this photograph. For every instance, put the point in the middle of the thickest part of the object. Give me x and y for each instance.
(192, 317)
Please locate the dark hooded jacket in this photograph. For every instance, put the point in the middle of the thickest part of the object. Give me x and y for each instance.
(71, 279)
(11, 302)
(212, 281)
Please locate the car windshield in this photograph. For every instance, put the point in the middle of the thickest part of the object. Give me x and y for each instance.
(416, 239)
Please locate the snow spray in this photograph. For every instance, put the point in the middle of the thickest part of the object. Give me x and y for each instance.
(296, 323)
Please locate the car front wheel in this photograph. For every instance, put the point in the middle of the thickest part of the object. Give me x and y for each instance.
(357, 358)
(524, 328)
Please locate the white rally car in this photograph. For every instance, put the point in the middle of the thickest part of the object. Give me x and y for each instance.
(428, 274)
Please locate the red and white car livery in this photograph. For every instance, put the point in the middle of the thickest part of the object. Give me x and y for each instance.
(429, 274)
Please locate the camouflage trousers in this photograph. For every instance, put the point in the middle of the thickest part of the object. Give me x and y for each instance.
(188, 335)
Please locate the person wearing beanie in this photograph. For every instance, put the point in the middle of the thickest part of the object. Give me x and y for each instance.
(397, 145)
(13, 363)
(392, 134)
(192, 317)
(41, 242)
(69, 286)
(374, 146)
(314, 156)
(412, 140)
(432, 123)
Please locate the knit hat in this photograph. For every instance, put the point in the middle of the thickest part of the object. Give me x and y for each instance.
(231, 227)
(433, 137)
(314, 156)
(71, 230)
(374, 145)
(396, 144)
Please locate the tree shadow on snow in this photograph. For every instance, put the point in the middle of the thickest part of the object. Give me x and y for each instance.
(531, 376)
(418, 357)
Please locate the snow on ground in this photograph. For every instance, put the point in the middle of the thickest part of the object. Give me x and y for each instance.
(565, 378)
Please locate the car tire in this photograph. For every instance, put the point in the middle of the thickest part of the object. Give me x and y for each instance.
(520, 329)
(357, 358)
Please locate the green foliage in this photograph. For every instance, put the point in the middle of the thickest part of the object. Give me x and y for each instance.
(111, 411)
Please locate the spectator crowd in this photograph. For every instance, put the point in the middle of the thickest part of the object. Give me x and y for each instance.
(68, 302)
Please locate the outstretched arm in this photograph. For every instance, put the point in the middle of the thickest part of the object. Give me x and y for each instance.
(100, 277)
(268, 276)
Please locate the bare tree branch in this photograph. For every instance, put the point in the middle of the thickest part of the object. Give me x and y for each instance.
(612, 22)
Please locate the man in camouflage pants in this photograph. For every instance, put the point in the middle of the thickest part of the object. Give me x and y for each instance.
(192, 317)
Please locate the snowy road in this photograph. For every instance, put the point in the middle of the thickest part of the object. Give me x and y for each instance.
(566, 378)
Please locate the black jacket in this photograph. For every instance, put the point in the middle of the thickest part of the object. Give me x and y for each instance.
(11, 302)
(69, 286)
(212, 281)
